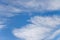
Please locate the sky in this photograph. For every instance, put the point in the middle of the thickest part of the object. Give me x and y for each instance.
(29, 19)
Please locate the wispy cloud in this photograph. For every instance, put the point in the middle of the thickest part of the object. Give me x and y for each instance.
(15, 7)
(54, 5)
(32, 32)
(56, 33)
(8, 11)
(38, 4)
(3, 22)
(40, 28)
(2, 25)
(32, 5)
(46, 21)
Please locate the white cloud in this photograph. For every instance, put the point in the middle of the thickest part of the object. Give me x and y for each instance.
(32, 32)
(39, 4)
(54, 5)
(54, 35)
(2, 26)
(9, 11)
(3, 22)
(40, 28)
(17, 6)
(46, 21)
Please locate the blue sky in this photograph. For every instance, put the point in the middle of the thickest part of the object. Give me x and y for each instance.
(29, 20)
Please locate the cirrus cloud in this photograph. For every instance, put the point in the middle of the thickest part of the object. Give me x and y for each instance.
(38, 4)
(8, 11)
(40, 28)
(15, 7)
(35, 4)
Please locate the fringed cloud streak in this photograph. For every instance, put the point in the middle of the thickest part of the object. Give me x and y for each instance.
(2, 23)
(40, 29)
(13, 7)
(38, 4)
(8, 11)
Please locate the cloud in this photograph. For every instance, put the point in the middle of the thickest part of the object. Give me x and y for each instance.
(38, 4)
(2, 25)
(15, 7)
(3, 22)
(40, 29)
(46, 21)
(8, 11)
(54, 35)
(31, 32)
(54, 5)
